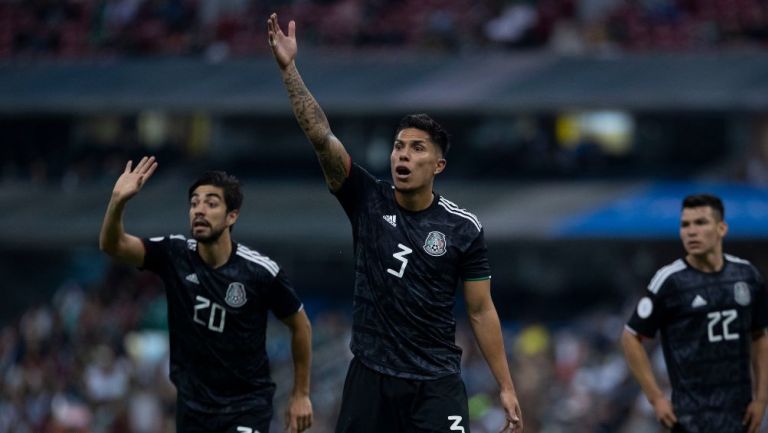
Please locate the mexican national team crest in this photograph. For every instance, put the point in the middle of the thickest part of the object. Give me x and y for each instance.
(235, 295)
(741, 293)
(435, 244)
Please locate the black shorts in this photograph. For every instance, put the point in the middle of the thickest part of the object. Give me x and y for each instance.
(374, 402)
(192, 421)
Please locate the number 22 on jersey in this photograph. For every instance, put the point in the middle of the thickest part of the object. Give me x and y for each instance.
(400, 255)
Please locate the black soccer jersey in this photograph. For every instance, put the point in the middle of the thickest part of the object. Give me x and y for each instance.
(706, 321)
(217, 321)
(407, 268)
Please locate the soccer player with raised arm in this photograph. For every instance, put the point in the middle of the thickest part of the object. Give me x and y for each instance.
(219, 294)
(412, 248)
(712, 313)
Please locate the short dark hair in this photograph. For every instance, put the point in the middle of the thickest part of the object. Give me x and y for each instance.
(233, 195)
(423, 122)
(699, 200)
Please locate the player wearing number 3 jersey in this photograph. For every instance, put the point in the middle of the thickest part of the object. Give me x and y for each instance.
(219, 294)
(412, 249)
(711, 311)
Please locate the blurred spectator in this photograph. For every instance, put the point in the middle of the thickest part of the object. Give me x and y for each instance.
(223, 28)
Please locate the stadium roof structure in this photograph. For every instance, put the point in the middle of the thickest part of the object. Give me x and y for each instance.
(393, 82)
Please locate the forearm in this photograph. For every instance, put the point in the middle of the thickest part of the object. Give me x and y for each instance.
(487, 329)
(308, 112)
(760, 366)
(112, 230)
(301, 349)
(640, 366)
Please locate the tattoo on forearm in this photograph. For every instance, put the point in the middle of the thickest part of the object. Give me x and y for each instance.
(333, 166)
(308, 113)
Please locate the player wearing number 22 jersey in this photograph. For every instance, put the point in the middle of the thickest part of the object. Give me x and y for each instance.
(710, 309)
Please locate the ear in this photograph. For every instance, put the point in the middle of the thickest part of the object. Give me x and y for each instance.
(722, 228)
(440, 165)
(232, 217)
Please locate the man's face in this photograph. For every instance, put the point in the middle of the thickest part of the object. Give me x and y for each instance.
(208, 216)
(701, 230)
(415, 160)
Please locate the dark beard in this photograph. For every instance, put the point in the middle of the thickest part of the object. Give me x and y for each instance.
(209, 239)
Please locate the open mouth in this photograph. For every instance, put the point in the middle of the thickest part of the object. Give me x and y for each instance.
(200, 223)
(402, 171)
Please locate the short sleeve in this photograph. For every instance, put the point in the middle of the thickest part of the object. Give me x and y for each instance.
(282, 299)
(156, 253)
(474, 262)
(646, 318)
(760, 306)
(352, 192)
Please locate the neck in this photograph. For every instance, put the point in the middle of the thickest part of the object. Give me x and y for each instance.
(709, 262)
(215, 254)
(414, 200)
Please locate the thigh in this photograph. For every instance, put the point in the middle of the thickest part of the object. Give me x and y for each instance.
(440, 406)
(364, 406)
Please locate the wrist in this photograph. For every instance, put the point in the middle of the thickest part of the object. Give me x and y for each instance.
(507, 389)
(654, 399)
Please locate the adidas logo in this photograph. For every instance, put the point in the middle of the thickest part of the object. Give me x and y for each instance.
(698, 301)
(391, 219)
(192, 278)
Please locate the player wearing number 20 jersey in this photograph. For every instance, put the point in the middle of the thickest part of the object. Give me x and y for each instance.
(217, 322)
(407, 268)
(219, 293)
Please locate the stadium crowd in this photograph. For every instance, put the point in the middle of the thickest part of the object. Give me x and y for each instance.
(220, 29)
(94, 359)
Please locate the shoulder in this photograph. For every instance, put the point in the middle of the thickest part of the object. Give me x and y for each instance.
(664, 273)
(460, 215)
(738, 261)
(257, 260)
(174, 242)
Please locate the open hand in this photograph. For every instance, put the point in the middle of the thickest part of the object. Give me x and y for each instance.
(130, 182)
(283, 47)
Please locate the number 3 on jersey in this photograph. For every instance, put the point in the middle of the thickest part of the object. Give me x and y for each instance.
(400, 255)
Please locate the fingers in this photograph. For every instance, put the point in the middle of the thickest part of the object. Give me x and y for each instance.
(751, 421)
(145, 165)
(150, 170)
(292, 29)
(668, 420)
(275, 24)
(128, 166)
(303, 422)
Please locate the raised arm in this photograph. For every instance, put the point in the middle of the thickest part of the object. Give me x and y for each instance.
(487, 329)
(113, 239)
(640, 366)
(333, 157)
(298, 414)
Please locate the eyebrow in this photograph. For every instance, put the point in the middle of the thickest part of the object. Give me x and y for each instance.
(209, 194)
(416, 141)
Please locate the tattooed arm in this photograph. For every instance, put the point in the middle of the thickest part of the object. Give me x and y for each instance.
(333, 157)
